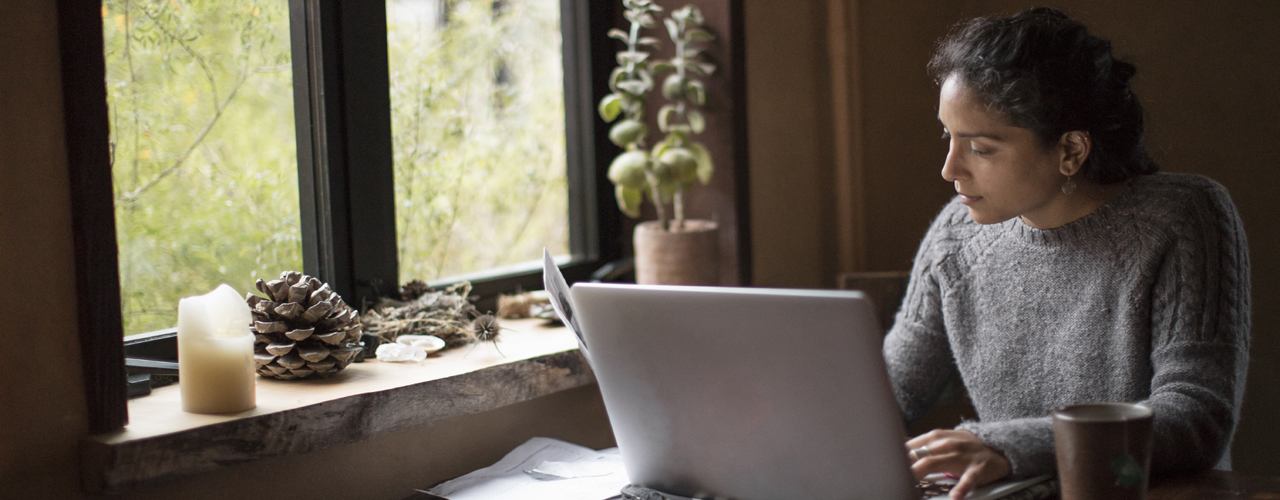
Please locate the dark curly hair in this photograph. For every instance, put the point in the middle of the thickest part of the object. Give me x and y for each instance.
(1046, 72)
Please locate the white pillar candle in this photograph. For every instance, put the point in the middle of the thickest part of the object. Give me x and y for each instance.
(215, 353)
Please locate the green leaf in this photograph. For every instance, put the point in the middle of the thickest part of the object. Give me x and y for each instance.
(629, 200)
(627, 56)
(646, 20)
(618, 34)
(659, 148)
(695, 15)
(629, 169)
(696, 92)
(633, 107)
(660, 66)
(664, 173)
(702, 67)
(682, 163)
(615, 77)
(648, 41)
(672, 30)
(698, 35)
(645, 77)
(697, 122)
(681, 130)
(673, 87)
(610, 107)
(664, 117)
(627, 132)
(705, 167)
(633, 87)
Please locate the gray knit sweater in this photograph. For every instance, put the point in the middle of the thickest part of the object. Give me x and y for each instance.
(1144, 300)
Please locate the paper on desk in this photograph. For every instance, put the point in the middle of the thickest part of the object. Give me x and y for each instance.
(993, 491)
(605, 475)
(558, 290)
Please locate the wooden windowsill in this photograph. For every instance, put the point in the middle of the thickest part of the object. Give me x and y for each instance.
(366, 399)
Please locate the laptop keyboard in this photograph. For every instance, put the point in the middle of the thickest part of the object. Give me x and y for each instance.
(930, 489)
(926, 488)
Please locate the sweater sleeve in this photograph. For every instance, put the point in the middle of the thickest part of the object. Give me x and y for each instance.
(917, 352)
(1200, 336)
(1199, 352)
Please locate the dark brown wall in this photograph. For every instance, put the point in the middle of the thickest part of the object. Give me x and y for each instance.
(788, 137)
(42, 412)
(1208, 74)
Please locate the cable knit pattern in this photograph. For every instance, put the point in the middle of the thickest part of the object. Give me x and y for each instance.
(1144, 300)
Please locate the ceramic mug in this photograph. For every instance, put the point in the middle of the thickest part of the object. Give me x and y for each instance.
(1103, 450)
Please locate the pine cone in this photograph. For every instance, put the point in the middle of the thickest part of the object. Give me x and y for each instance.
(302, 328)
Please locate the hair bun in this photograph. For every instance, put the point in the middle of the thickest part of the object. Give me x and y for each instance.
(1123, 71)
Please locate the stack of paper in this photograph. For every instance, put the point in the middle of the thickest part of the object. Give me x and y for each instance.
(542, 468)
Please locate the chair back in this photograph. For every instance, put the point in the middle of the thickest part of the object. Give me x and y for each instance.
(885, 288)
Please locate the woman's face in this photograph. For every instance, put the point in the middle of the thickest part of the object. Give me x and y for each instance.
(1000, 171)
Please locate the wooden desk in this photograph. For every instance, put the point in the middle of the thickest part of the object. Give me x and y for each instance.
(1209, 485)
(1215, 485)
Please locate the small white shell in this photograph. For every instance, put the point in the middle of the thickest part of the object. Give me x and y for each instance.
(429, 343)
(392, 353)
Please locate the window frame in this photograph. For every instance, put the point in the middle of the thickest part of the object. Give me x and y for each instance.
(348, 220)
(342, 113)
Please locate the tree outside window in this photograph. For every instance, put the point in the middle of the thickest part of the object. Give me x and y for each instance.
(203, 145)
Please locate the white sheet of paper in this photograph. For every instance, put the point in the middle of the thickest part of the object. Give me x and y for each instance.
(558, 290)
(507, 479)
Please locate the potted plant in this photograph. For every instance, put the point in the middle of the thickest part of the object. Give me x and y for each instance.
(672, 249)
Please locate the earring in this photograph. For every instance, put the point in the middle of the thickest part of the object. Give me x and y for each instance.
(1069, 187)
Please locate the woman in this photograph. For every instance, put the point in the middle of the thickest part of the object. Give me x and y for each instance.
(1066, 270)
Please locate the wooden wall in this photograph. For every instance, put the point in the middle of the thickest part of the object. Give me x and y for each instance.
(845, 153)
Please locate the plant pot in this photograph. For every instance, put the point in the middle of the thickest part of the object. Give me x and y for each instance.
(687, 256)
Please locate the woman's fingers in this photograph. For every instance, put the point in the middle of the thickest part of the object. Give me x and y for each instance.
(957, 452)
(985, 467)
(967, 482)
(952, 463)
(927, 438)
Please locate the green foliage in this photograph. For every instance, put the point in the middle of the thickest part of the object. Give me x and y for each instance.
(204, 152)
(477, 101)
(202, 148)
(675, 161)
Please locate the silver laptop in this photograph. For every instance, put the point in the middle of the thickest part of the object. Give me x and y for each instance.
(746, 393)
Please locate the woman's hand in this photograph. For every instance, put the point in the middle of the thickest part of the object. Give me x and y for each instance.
(960, 453)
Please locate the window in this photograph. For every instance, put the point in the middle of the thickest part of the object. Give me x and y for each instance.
(342, 109)
(200, 103)
(477, 113)
(204, 154)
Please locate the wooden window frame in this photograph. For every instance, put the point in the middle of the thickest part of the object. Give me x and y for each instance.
(342, 114)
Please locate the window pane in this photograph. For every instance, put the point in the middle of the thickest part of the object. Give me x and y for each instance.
(477, 99)
(202, 146)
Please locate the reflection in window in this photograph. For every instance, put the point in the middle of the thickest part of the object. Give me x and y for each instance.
(477, 102)
(202, 148)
